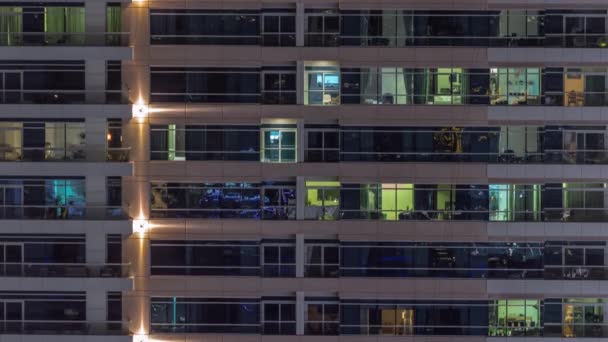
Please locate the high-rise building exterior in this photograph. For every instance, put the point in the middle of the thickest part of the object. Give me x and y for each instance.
(356, 170)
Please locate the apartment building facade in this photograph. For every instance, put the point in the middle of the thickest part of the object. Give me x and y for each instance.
(193, 170)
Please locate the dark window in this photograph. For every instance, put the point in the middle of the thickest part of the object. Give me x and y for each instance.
(204, 315)
(205, 259)
(239, 27)
(114, 307)
(114, 249)
(279, 318)
(114, 80)
(208, 85)
(279, 29)
(279, 260)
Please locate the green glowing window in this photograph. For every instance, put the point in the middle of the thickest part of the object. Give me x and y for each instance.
(514, 317)
(322, 200)
(396, 199)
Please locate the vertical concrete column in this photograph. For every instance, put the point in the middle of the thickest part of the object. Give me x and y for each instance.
(95, 22)
(96, 131)
(300, 255)
(300, 83)
(605, 310)
(300, 197)
(96, 305)
(136, 311)
(605, 200)
(301, 141)
(136, 75)
(95, 247)
(95, 16)
(95, 81)
(137, 188)
(96, 194)
(300, 24)
(136, 304)
(300, 313)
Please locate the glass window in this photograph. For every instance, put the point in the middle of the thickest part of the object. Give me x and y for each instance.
(322, 28)
(583, 201)
(223, 200)
(279, 318)
(167, 142)
(230, 27)
(322, 85)
(322, 200)
(11, 135)
(279, 87)
(114, 195)
(278, 260)
(279, 145)
(205, 85)
(114, 24)
(114, 307)
(514, 317)
(323, 145)
(515, 86)
(322, 260)
(322, 318)
(513, 202)
(582, 317)
(205, 258)
(279, 202)
(204, 315)
(279, 29)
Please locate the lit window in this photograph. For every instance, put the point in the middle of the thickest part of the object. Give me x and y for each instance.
(279, 145)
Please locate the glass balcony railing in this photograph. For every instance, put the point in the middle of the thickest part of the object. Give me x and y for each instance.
(15, 153)
(40, 154)
(544, 215)
(576, 40)
(61, 212)
(266, 213)
(76, 327)
(58, 96)
(576, 272)
(76, 270)
(333, 39)
(506, 157)
(118, 154)
(64, 39)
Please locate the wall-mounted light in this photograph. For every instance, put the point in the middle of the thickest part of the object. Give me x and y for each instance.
(140, 226)
(139, 110)
(140, 338)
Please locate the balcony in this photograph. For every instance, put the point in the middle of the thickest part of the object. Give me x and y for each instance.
(118, 154)
(505, 157)
(66, 270)
(334, 39)
(62, 212)
(31, 327)
(49, 154)
(58, 96)
(64, 39)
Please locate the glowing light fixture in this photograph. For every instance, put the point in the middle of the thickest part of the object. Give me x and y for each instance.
(140, 338)
(139, 110)
(140, 226)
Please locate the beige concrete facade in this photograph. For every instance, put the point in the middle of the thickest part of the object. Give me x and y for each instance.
(136, 78)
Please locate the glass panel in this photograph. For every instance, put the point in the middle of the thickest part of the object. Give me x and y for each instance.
(13, 311)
